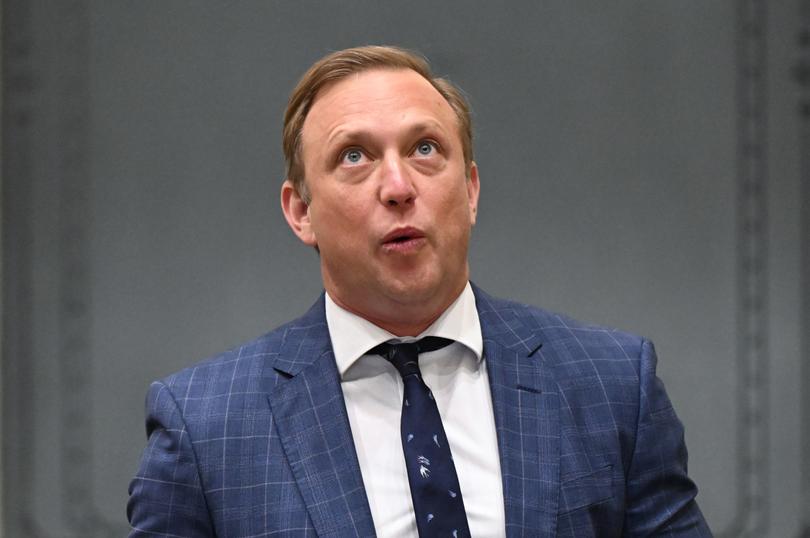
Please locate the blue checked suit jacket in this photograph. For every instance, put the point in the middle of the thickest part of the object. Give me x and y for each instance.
(257, 442)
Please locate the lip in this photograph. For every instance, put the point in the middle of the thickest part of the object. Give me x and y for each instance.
(400, 234)
(403, 240)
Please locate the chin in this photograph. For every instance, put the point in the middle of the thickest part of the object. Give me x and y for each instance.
(419, 289)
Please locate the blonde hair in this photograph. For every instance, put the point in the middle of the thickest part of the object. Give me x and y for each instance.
(340, 64)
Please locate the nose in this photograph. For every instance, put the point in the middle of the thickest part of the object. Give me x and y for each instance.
(397, 188)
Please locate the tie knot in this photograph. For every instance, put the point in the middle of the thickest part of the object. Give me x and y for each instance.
(405, 356)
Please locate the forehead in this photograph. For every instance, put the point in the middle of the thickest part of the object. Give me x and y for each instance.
(381, 98)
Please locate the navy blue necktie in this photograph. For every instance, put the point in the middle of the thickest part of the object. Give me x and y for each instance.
(436, 495)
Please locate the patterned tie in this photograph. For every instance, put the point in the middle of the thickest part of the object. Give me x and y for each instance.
(435, 491)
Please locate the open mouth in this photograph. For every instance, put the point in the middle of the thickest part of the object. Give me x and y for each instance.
(404, 240)
(401, 239)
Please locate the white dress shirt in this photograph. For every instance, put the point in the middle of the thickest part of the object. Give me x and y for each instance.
(457, 376)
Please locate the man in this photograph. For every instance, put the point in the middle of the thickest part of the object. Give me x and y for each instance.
(530, 423)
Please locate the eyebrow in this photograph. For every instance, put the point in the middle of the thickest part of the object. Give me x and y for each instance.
(343, 135)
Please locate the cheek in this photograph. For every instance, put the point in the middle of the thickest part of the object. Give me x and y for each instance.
(339, 223)
(457, 206)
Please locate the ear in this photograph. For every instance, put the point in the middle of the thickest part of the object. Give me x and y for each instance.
(296, 211)
(473, 189)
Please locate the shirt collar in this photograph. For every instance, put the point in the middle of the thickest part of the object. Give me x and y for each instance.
(352, 335)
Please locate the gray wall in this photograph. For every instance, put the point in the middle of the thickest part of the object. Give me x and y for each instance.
(640, 164)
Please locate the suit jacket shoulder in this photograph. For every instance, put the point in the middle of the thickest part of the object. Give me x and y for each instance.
(576, 352)
(586, 429)
(255, 366)
(238, 444)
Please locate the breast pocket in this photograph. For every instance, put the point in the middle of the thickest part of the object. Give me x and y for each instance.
(586, 489)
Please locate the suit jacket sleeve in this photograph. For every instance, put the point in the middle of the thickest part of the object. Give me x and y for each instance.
(660, 495)
(166, 496)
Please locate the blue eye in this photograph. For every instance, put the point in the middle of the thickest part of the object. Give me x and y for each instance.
(425, 148)
(353, 156)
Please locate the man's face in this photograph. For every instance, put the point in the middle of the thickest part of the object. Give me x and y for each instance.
(391, 208)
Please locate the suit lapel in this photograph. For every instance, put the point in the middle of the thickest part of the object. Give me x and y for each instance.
(526, 405)
(313, 426)
(312, 423)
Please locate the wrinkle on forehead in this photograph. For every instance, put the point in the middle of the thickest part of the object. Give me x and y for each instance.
(370, 96)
